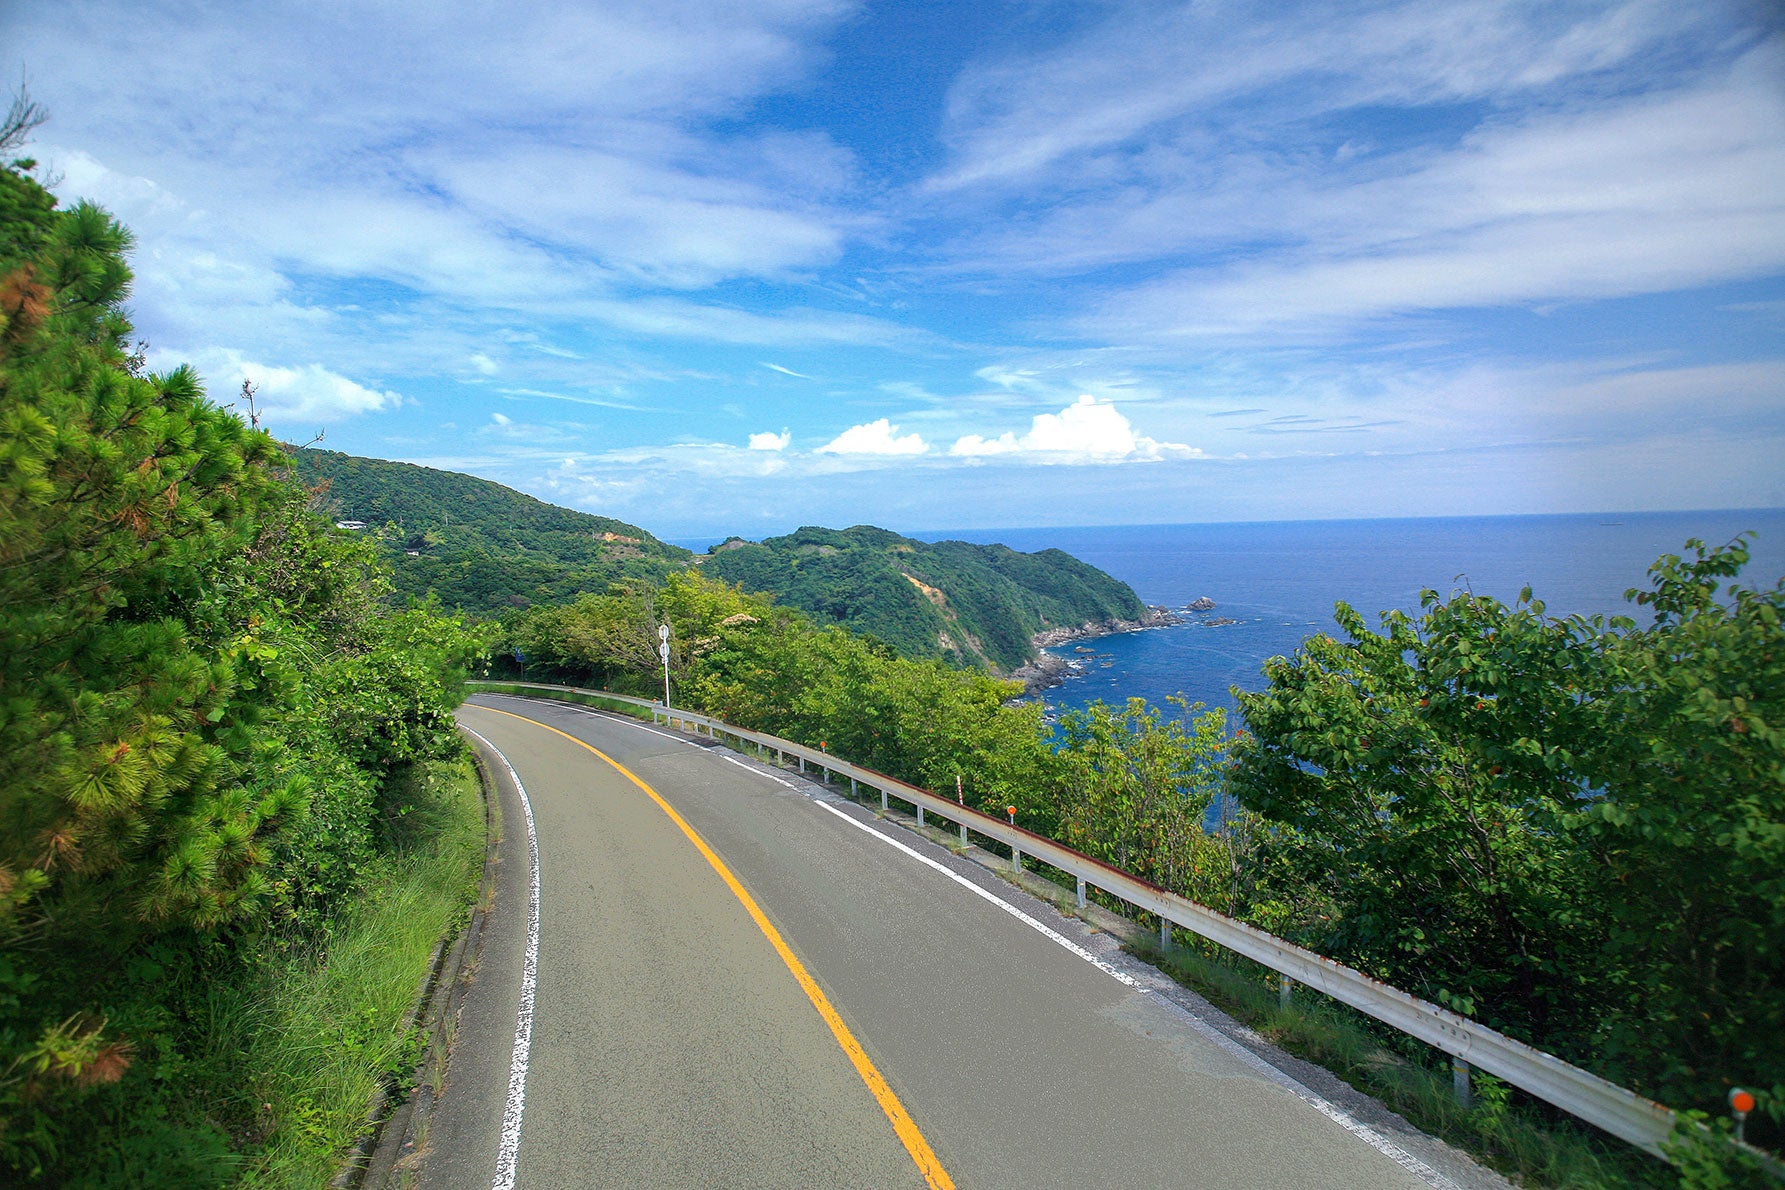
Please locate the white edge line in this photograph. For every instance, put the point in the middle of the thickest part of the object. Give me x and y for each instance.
(1330, 1110)
(750, 768)
(508, 1154)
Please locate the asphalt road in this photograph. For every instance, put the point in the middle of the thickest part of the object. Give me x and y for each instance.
(671, 1045)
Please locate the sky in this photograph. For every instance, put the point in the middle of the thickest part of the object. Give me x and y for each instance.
(719, 267)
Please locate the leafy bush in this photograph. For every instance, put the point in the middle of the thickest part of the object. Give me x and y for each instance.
(1567, 828)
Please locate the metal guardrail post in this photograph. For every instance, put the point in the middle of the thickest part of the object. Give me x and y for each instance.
(1165, 933)
(920, 815)
(963, 836)
(1016, 858)
(1081, 892)
(1459, 1083)
(1285, 988)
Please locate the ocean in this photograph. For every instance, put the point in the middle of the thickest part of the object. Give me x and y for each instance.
(1277, 582)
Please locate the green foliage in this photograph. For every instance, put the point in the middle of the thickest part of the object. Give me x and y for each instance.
(1137, 790)
(478, 545)
(763, 666)
(952, 601)
(125, 696)
(205, 709)
(1571, 829)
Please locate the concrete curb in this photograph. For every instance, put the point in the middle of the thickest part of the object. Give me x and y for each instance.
(393, 1138)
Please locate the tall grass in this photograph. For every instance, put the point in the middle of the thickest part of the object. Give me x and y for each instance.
(313, 1034)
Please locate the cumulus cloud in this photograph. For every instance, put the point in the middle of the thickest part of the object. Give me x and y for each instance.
(769, 440)
(483, 363)
(306, 392)
(1086, 430)
(879, 437)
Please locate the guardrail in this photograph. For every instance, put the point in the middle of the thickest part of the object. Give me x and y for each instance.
(1623, 1113)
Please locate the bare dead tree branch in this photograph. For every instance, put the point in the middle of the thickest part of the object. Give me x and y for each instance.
(25, 115)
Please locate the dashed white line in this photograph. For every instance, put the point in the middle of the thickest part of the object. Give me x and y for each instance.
(616, 717)
(753, 769)
(508, 1154)
(1331, 1111)
(994, 898)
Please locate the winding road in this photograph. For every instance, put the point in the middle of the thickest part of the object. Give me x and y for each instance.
(722, 974)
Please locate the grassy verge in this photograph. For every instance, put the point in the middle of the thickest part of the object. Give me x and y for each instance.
(1519, 1136)
(587, 700)
(317, 1032)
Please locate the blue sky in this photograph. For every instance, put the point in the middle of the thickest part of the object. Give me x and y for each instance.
(739, 267)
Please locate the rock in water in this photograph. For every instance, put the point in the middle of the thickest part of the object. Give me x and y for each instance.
(1202, 604)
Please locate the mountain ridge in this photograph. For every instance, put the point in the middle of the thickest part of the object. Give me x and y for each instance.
(487, 548)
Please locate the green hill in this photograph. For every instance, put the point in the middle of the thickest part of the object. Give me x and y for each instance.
(477, 544)
(964, 603)
(487, 548)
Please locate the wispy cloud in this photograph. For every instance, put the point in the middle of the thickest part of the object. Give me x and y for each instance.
(1661, 193)
(1147, 69)
(786, 371)
(1347, 244)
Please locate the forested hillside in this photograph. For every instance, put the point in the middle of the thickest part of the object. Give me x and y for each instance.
(489, 549)
(953, 601)
(476, 544)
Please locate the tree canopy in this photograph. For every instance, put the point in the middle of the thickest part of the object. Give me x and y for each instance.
(204, 700)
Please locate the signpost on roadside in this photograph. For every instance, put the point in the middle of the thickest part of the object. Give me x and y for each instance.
(663, 652)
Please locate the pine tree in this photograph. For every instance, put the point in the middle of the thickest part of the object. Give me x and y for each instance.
(126, 690)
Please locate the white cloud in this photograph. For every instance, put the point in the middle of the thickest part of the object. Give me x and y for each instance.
(879, 437)
(1088, 430)
(483, 363)
(785, 371)
(658, 221)
(768, 440)
(793, 326)
(508, 160)
(1649, 194)
(501, 419)
(1150, 68)
(306, 392)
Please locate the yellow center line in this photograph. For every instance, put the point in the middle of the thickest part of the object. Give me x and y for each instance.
(903, 1124)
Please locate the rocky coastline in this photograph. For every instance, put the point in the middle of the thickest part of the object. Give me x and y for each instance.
(1049, 670)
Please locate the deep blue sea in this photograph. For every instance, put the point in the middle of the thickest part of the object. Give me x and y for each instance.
(1278, 581)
